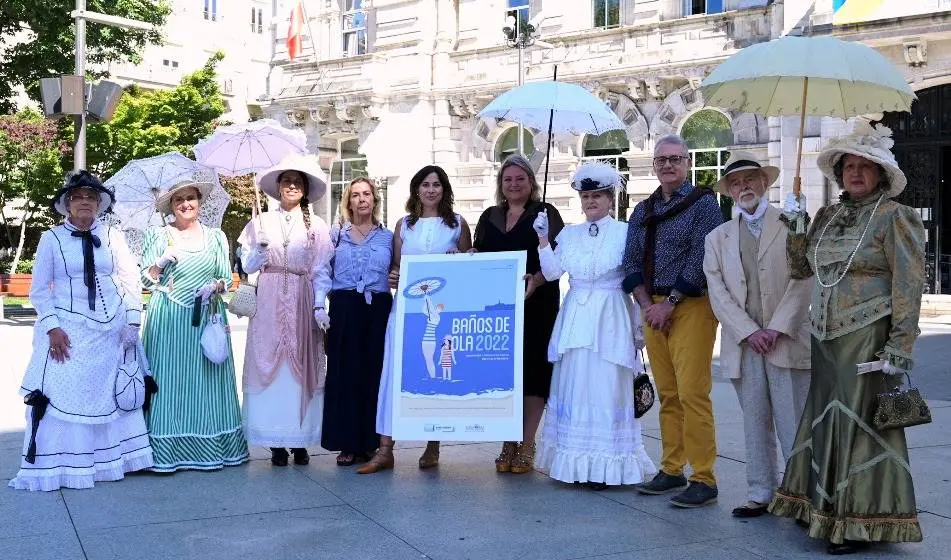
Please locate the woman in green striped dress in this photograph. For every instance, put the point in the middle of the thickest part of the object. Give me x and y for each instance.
(195, 420)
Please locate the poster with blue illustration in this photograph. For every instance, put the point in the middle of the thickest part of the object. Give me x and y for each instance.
(458, 334)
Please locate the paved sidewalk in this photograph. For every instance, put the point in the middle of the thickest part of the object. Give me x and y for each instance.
(461, 510)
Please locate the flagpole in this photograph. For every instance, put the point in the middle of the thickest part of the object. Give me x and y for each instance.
(310, 32)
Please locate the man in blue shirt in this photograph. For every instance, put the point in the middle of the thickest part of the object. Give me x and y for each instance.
(663, 263)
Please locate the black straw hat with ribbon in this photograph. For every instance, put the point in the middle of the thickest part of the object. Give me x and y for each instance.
(82, 179)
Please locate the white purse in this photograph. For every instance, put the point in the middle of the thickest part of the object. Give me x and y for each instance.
(214, 337)
(244, 301)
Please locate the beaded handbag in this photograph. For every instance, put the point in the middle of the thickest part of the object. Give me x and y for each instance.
(901, 408)
(244, 300)
(643, 392)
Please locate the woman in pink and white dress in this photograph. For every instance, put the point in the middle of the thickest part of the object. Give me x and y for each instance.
(284, 364)
(590, 433)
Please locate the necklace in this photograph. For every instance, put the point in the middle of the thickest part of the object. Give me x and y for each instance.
(848, 264)
(363, 234)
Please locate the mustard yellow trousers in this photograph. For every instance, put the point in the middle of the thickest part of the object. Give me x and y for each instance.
(681, 362)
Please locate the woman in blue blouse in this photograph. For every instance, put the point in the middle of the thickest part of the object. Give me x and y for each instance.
(360, 303)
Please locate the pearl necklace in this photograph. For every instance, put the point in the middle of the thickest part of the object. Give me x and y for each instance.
(848, 264)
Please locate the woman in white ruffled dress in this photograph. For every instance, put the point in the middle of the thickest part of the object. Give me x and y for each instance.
(590, 433)
(85, 384)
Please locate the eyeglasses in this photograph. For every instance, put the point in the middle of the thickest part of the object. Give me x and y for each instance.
(661, 161)
(298, 184)
(83, 197)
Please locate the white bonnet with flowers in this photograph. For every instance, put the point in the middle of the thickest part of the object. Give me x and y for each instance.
(596, 176)
(872, 143)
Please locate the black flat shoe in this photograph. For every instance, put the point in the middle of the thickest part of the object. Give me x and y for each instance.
(846, 547)
(750, 509)
(802, 524)
(301, 457)
(596, 486)
(279, 456)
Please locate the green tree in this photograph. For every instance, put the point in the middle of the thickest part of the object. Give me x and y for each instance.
(152, 122)
(31, 151)
(37, 40)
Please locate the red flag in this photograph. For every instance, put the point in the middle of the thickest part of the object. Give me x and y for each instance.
(295, 38)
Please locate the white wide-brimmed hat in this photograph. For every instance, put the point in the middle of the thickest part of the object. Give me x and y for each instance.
(82, 180)
(741, 161)
(596, 176)
(306, 165)
(163, 202)
(872, 143)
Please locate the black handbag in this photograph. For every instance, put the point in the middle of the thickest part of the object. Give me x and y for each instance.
(900, 408)
(643, 392)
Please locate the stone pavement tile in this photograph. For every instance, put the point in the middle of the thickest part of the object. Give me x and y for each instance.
(710, 522)
(932, 476)
(791, 543)
(151, 498)
(938, 432)
(62, 545)
(710, 550)
(25, 514)
(322, 533)
(464, 509)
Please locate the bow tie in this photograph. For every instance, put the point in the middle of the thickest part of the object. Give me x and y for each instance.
(89, 264)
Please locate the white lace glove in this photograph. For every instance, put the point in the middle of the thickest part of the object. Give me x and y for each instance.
(169, 256)
(206, 291)
(541, 224)
(322, 318)
(129, 336)
(794, 206)
(254, 260)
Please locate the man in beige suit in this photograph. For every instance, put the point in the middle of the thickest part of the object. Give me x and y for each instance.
(764, 343)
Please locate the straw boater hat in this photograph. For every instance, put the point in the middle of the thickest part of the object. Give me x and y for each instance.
(740, 161)
(82, 180)
(596, 176)
(163, 202)
(306, 165)
(874, 144)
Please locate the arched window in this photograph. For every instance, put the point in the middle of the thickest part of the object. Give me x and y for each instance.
(507, 144)
(608, 148)
(707, 132)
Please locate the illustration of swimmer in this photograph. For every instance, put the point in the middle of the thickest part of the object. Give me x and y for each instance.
(428, 345)
(447, 358)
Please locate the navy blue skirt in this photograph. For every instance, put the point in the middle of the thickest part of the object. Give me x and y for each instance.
(355, 344)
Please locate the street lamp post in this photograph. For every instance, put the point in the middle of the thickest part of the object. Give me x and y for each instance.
(519, 36)
(81, 16)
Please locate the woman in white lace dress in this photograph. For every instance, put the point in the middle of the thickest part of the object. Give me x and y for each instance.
(590, 433)
(430, 228)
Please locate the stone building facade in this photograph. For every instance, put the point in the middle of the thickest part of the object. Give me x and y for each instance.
(386, 86)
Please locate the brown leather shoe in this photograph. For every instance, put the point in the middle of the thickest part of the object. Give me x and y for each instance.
(381, 461)
(430, 457)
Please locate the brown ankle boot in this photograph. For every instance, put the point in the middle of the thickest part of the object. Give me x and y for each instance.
(504, 461)
(430, 457)
(382, 460)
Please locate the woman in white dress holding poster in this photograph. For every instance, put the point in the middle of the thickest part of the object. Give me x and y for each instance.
(591, 434)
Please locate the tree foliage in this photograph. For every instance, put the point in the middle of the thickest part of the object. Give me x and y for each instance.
(31, 155)
(37, 39)
(152, 122)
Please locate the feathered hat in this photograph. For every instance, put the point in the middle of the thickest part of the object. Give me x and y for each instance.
(872, 143)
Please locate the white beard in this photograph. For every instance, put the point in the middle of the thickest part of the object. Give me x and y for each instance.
(750, 205)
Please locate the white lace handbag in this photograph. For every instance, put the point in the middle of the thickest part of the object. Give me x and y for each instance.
(214, 337)
(244, 300)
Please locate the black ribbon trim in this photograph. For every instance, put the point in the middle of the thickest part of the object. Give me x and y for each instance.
(741, 163)
(39, 402)
(89, 264)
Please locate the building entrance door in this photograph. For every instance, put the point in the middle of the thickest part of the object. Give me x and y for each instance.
(923, 151)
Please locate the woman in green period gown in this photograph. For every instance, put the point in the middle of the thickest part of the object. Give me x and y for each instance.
(195, 420)
(848, 482)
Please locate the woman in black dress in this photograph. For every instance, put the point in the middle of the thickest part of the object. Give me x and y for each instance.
(507, 226)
